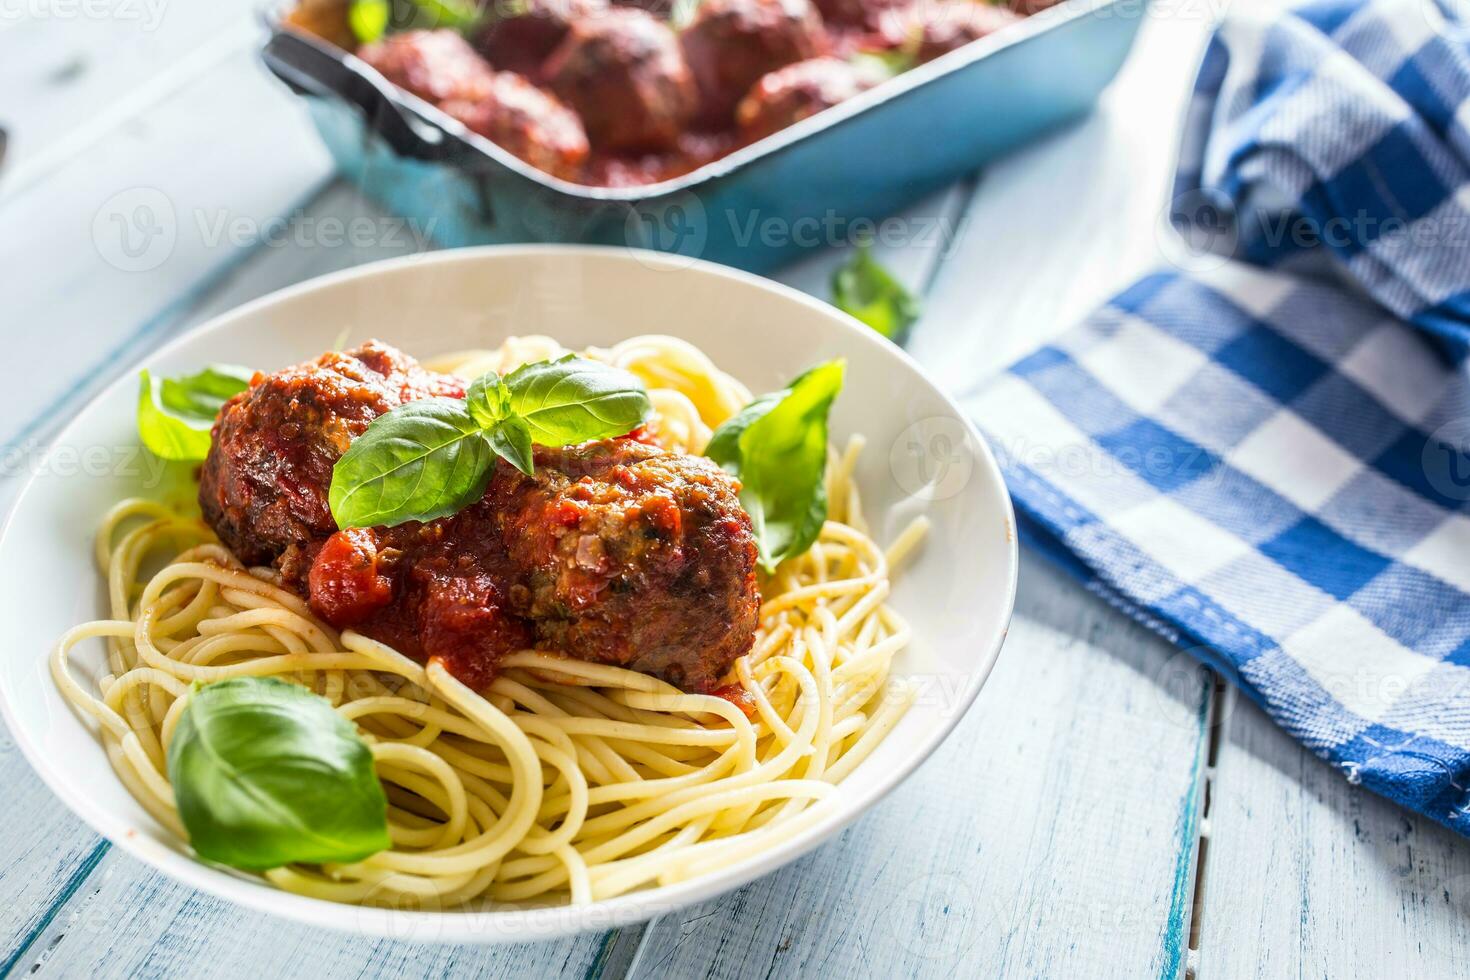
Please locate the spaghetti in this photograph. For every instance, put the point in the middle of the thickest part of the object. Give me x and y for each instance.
(565, 780)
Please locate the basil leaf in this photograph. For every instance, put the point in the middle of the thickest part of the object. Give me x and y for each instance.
(369, 19)
(879, 66)
(423, 460)
(488, 399)
(511, 440)
(868, 292)
(176, 414)
(266, 773)
(777, 447)
(446, 13)
(573, 399)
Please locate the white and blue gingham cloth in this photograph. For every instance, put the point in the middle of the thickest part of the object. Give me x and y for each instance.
(1268, 458)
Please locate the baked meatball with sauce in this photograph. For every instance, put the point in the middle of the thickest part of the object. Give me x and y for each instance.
(864, 15)
(793, 93)
(521, 38)
(263, 487)
(437, 66)
(633, 556)
(934, 29)
(614, 552)
(532, 124)
(624, 74)
(732, 43)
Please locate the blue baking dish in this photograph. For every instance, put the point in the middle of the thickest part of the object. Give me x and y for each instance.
(827, 179)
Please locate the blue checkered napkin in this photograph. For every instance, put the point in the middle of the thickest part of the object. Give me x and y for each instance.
(1242, 461)
(1272, 468)
(1342, 130)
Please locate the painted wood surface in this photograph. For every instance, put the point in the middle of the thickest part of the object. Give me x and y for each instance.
(1068, 846)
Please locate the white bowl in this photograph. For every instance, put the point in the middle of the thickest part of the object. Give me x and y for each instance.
(957, 593)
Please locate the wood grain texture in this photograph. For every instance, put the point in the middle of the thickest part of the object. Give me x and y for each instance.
(118, 243)
(124, 924)
(1042, 839)
(1310, 876)
(73, 72)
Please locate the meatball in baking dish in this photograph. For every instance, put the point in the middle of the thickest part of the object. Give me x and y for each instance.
(625, 75)
(793, 93)
(732, 43)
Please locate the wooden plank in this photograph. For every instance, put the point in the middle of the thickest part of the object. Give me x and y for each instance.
(74, 71)
(1050, 835)
(913, 246)
(124, 924)
(1307, 875)
(119, 243)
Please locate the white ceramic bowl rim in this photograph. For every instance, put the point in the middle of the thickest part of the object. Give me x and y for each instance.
(519, 924)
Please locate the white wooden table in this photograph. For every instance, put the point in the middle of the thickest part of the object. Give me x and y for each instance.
(1126, 818)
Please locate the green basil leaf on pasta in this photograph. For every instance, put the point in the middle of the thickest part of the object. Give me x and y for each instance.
(266, 773)
(573, 399)
(421, 461)
(868, 292)
(511, 440)
(777, 447)
(176, 414)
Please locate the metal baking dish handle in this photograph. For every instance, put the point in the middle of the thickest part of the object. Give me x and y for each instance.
(311, 69)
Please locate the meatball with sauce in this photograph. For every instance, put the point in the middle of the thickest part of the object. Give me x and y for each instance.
(624, 73)
(263, 487)
(866, 15)
(633, 556)
(934, 29)
(437, 66)
(528, 122)
(732, 43)
(795, 92)
(614, 552)
(521, 39)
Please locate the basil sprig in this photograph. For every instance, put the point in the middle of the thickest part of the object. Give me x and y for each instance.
(266, 773)
(176, 414)
(865, 290)
(777, 447)
(429, 459)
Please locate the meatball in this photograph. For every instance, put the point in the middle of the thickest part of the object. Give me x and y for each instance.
(732, 43)
(614, 552)
(624, 74)
(263, 487)
(633, 556)
(860, 14)
(934, 29)
(521, 40)
(528, 122)
(437, 66)
(795, 92)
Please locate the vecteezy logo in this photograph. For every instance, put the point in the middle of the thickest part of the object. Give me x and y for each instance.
(934, 917)
(1198, 231)
(933, 458)
(135, 230)
(677, 226)
(1446, 459)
